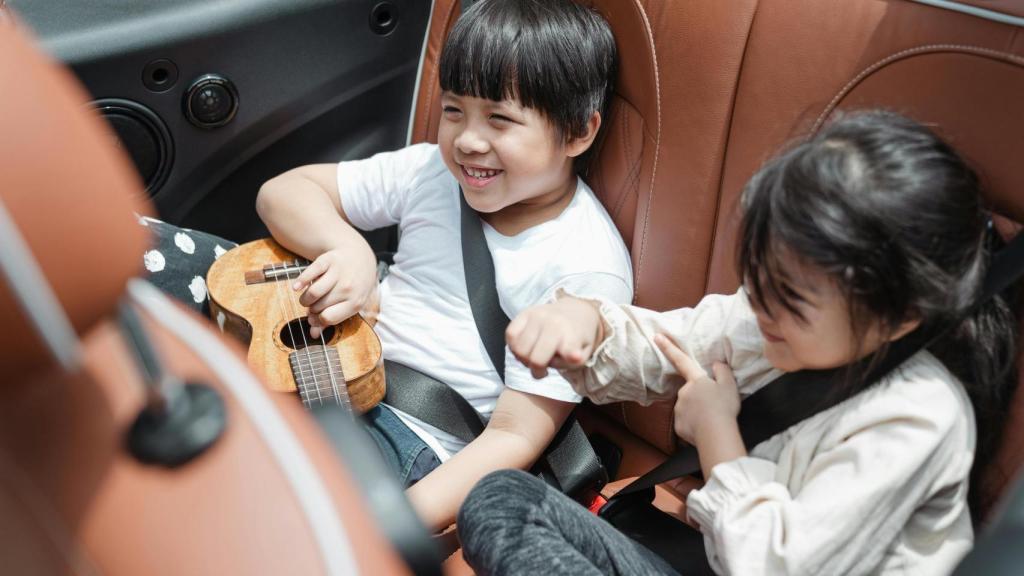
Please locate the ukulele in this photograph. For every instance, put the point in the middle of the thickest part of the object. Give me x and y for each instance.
(251, 298)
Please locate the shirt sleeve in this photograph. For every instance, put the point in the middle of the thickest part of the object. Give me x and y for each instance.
(857, 495)
(629, 367)
(610, 288)
(375, 191)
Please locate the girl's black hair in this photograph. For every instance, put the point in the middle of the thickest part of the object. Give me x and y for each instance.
(894, 216)
(555, 56)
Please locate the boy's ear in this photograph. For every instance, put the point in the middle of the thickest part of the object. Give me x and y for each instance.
(579, 145)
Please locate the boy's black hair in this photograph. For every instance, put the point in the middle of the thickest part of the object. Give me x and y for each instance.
(555, 56)
(892, 214)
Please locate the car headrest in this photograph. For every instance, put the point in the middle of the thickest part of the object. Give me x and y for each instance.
(69, 194)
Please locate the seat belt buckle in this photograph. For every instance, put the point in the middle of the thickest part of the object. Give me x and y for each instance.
(594, 501)
(619, 502)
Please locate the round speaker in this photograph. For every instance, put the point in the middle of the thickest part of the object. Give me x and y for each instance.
(211, 101)
(143, 136)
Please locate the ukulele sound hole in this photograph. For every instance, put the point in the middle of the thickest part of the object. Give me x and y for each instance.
(295, 335)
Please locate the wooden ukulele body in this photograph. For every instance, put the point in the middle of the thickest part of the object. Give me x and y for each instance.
(266, 316)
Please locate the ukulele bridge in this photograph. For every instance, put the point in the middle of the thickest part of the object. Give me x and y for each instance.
(276, 272)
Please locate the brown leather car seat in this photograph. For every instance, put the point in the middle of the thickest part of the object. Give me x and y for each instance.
(708, 90)
(270, 496)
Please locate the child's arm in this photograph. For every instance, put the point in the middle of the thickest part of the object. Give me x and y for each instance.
(706, 408)
(608, 353)
(521, 427)
(302, 209)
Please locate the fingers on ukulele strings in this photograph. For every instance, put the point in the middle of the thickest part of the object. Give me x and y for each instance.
(321, 287)
(312, 272)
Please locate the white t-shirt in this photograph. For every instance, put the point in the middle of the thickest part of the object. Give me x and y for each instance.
(426, 321)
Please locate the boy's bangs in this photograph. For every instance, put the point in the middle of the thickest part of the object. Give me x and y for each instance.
(484, 65)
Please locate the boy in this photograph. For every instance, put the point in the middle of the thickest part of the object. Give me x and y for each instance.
(524, 86)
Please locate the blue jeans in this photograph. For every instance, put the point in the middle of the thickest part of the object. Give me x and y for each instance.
(404, 451)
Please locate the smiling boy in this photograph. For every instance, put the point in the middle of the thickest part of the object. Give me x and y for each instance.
(525, 84)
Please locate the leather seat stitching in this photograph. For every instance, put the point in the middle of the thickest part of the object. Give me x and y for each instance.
(632, 175)
(631, 186)
(657, 149)
(916, 51)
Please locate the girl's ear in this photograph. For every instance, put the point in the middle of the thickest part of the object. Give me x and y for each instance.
(903, 329)
(579, 145)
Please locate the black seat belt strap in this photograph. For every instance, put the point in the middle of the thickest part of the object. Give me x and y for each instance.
(491, 321)
(796, 396)
(431, 400)
(570, 457)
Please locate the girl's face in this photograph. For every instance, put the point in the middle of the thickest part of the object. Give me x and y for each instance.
(503, 154)
(824, 337)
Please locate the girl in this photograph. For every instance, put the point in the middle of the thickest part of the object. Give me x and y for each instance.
(868, 230)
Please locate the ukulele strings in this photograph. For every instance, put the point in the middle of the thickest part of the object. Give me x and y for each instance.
(330, 371)
(323, 347)
(282, 299)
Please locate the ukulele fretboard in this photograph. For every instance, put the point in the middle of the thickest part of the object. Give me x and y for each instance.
(319, 377)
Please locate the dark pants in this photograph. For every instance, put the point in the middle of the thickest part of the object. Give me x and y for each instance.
(514, 523)
(177, 262)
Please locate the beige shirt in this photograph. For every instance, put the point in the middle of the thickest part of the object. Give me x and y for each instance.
(874, 485)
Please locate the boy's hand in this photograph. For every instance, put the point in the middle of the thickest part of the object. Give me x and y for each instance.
(562, 334)
(703, 402)
(337, 285)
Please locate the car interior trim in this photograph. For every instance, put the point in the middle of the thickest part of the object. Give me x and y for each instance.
(36, 296)
(419, 76)
(309, 489)
(148, 24)
(974, 11)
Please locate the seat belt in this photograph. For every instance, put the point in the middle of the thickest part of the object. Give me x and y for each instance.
(782, 403)
(570, 457)
(569, 463)
(430, 400)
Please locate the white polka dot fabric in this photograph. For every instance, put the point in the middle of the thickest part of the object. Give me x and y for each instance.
(178, 260)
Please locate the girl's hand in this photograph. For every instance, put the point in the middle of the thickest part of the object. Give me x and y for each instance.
(562, 334)
(702, 402)
(337, 285)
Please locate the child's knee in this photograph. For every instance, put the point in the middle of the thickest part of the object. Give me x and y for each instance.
(496, 509)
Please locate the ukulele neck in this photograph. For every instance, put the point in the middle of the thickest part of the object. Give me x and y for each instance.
(319, 377)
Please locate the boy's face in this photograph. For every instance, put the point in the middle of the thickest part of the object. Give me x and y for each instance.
(503, 154)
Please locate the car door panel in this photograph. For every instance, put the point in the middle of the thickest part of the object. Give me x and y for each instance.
(316, 81)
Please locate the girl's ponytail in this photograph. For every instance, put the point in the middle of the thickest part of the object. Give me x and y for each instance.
(982, 353)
